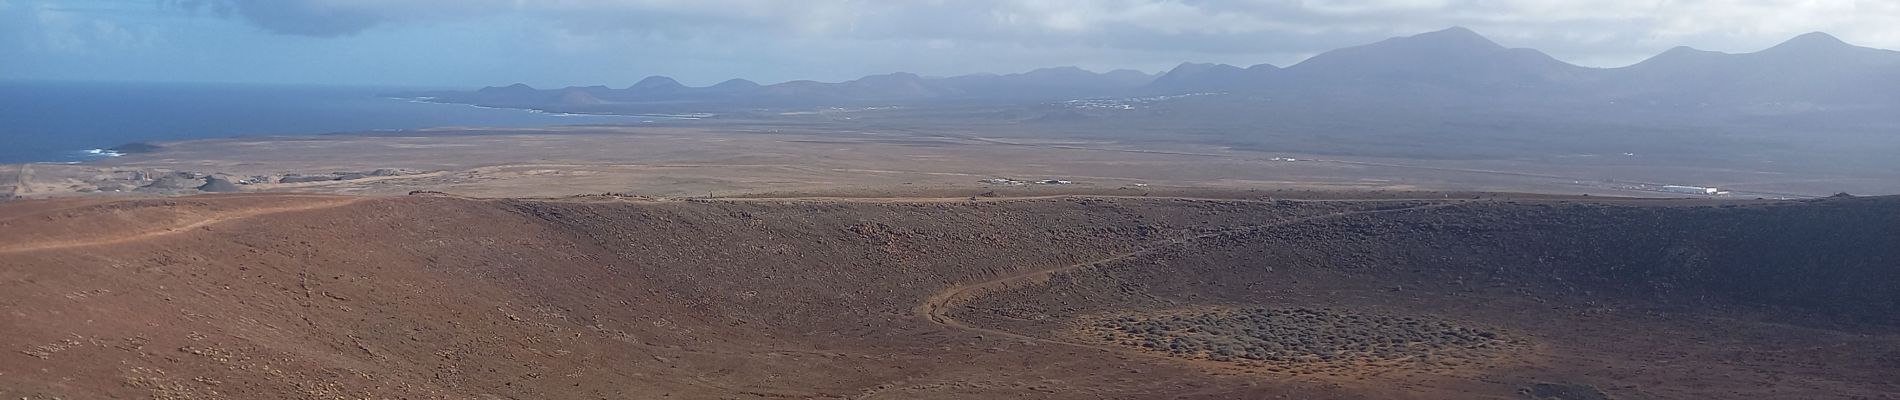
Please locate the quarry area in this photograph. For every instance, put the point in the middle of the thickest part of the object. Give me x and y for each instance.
(1205, 294)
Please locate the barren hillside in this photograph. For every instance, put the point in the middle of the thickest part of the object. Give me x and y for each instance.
(297, 296)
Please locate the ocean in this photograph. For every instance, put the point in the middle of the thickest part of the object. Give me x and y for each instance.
(67, 122)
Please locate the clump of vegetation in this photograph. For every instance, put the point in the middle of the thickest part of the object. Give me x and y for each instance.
(1267, 336)
(1562, 391)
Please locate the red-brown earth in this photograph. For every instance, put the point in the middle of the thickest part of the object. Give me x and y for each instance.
(305, 296)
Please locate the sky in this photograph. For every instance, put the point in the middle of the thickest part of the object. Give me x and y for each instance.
(554, 43)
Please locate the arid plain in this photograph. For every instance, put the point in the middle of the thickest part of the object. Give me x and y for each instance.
(835, 153)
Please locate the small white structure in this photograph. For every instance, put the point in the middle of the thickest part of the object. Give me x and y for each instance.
(1705, 191)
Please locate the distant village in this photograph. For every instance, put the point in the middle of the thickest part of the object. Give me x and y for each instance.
(1014, 182)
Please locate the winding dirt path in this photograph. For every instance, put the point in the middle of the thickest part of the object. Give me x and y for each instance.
(56, 243)
(25, 178)
(936, 308)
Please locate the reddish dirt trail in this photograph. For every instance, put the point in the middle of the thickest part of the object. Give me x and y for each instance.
(62, 243)
(936, 308)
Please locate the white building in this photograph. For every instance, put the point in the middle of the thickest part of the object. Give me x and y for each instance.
(1706, 191)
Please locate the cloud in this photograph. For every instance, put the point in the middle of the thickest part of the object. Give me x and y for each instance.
(307, 18)
(1210, 25)
(588, 41)
(333, 18)
(44, 29)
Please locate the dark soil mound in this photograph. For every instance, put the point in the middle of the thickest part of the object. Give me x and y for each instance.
(219, 184)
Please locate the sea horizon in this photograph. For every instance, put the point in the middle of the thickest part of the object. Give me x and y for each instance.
(65, 122)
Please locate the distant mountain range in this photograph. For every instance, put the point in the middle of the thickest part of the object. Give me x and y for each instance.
(1452, 65)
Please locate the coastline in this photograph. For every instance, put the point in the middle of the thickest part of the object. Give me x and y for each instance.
(66, 122)
(551, 112)
(732, 158)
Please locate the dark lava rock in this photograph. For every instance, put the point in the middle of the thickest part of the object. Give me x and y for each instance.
(219, 184)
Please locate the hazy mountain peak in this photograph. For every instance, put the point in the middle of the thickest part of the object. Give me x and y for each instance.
(1826, 51)
(1064, 69)
(1455, 30)
(1069, 72)
(515, 88)
(1816, 39)
(1678, 57)
(1810, 42)
(1684, 50)
(736, 84)
(1196, 76)
(1453, 36)
(1455, 48)
(656, 82)
(894, 76)
(1443, 64)
(1189, 67)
